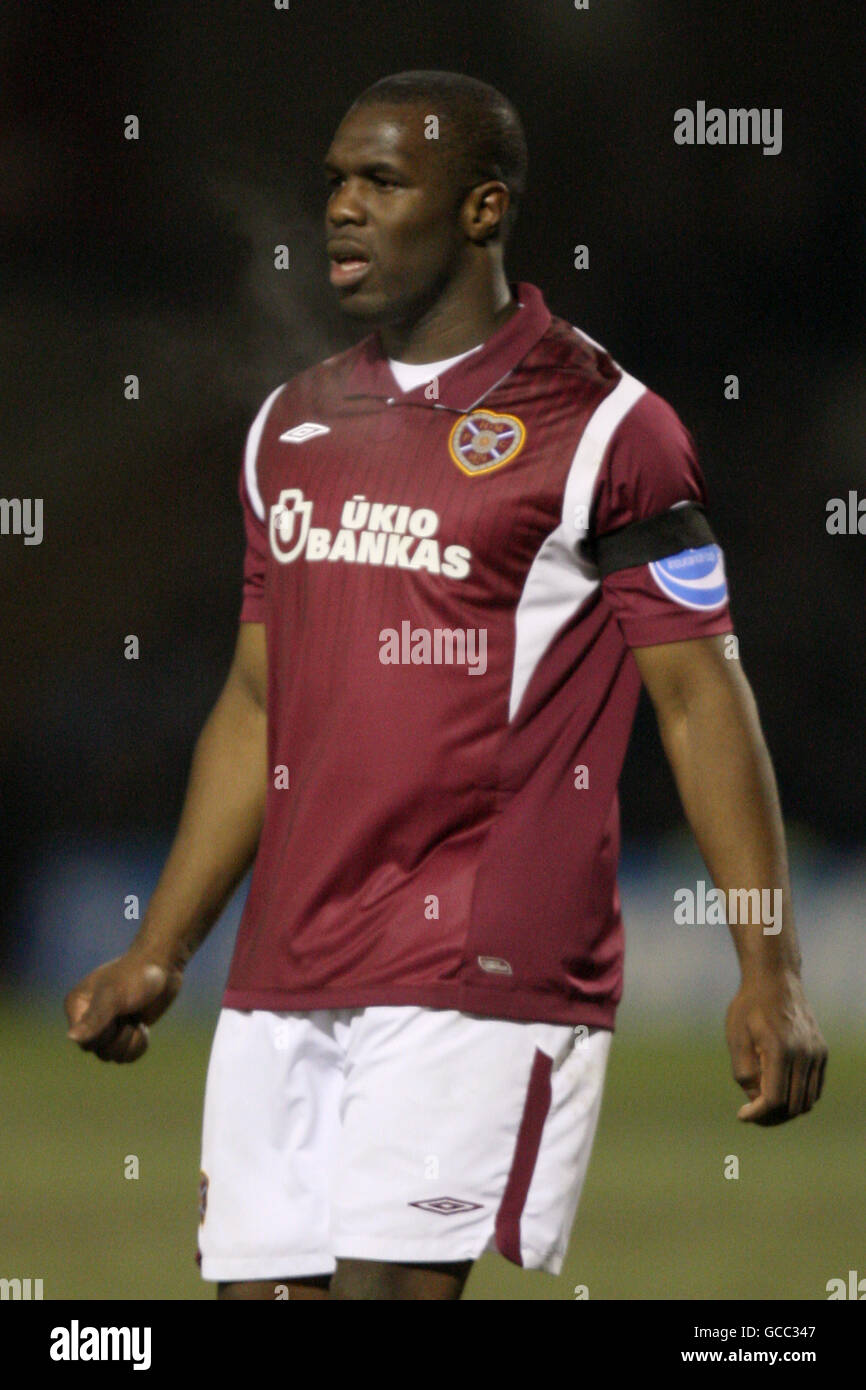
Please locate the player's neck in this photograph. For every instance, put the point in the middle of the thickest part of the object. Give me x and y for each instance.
(465, 315)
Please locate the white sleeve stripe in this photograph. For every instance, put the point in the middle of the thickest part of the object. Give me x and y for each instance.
(558, 581)
(599, 431)
(250, 456)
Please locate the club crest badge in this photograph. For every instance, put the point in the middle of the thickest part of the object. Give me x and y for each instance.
(482, 441)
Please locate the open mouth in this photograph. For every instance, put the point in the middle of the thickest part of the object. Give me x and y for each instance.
(348, 268)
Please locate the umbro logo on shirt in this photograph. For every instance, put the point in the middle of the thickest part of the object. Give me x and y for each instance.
(308, 430)
(495, 965)
(446, 1206)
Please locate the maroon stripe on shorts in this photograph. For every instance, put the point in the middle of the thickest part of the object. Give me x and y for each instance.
(535, 1110)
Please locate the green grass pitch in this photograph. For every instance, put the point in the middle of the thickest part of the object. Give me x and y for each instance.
(658, 1219)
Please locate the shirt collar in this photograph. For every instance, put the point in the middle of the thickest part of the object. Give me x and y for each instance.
(464, 385)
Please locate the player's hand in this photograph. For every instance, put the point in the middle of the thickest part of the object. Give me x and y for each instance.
(777, 1051)
(109, 1011)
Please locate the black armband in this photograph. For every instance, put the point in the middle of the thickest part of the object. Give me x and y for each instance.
(682, 528)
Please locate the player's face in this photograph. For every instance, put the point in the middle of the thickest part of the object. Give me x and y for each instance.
(391, 223)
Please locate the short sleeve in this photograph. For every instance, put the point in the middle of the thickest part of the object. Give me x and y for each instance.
(255, 527)
(255, 560)
(649, 470)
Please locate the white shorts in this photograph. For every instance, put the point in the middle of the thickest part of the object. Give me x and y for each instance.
(406, 1134)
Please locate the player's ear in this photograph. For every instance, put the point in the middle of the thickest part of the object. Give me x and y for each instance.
(484, 211)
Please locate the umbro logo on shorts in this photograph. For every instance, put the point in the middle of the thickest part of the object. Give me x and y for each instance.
(446, 1206)
(308, 430)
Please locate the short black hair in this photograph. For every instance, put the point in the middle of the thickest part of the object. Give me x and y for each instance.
(480, 132)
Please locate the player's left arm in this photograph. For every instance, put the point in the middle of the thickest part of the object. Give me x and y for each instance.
(713, 740)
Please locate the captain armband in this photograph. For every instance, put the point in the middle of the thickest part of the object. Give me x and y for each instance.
(683, 527)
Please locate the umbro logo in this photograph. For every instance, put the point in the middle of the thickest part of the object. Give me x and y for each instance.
(446, 1206)
(308, 430)
(495, 965)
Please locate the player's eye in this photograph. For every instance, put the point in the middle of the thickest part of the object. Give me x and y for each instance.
(333, 181)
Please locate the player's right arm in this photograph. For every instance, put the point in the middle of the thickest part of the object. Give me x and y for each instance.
(215, 844)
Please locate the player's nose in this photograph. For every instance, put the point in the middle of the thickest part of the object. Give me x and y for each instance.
(345, 205)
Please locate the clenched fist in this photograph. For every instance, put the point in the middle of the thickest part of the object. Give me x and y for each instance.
(109, 1011)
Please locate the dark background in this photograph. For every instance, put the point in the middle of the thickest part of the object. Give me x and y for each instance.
(156, 257)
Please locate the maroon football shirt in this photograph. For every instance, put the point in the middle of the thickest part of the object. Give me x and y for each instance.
(450, 685)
